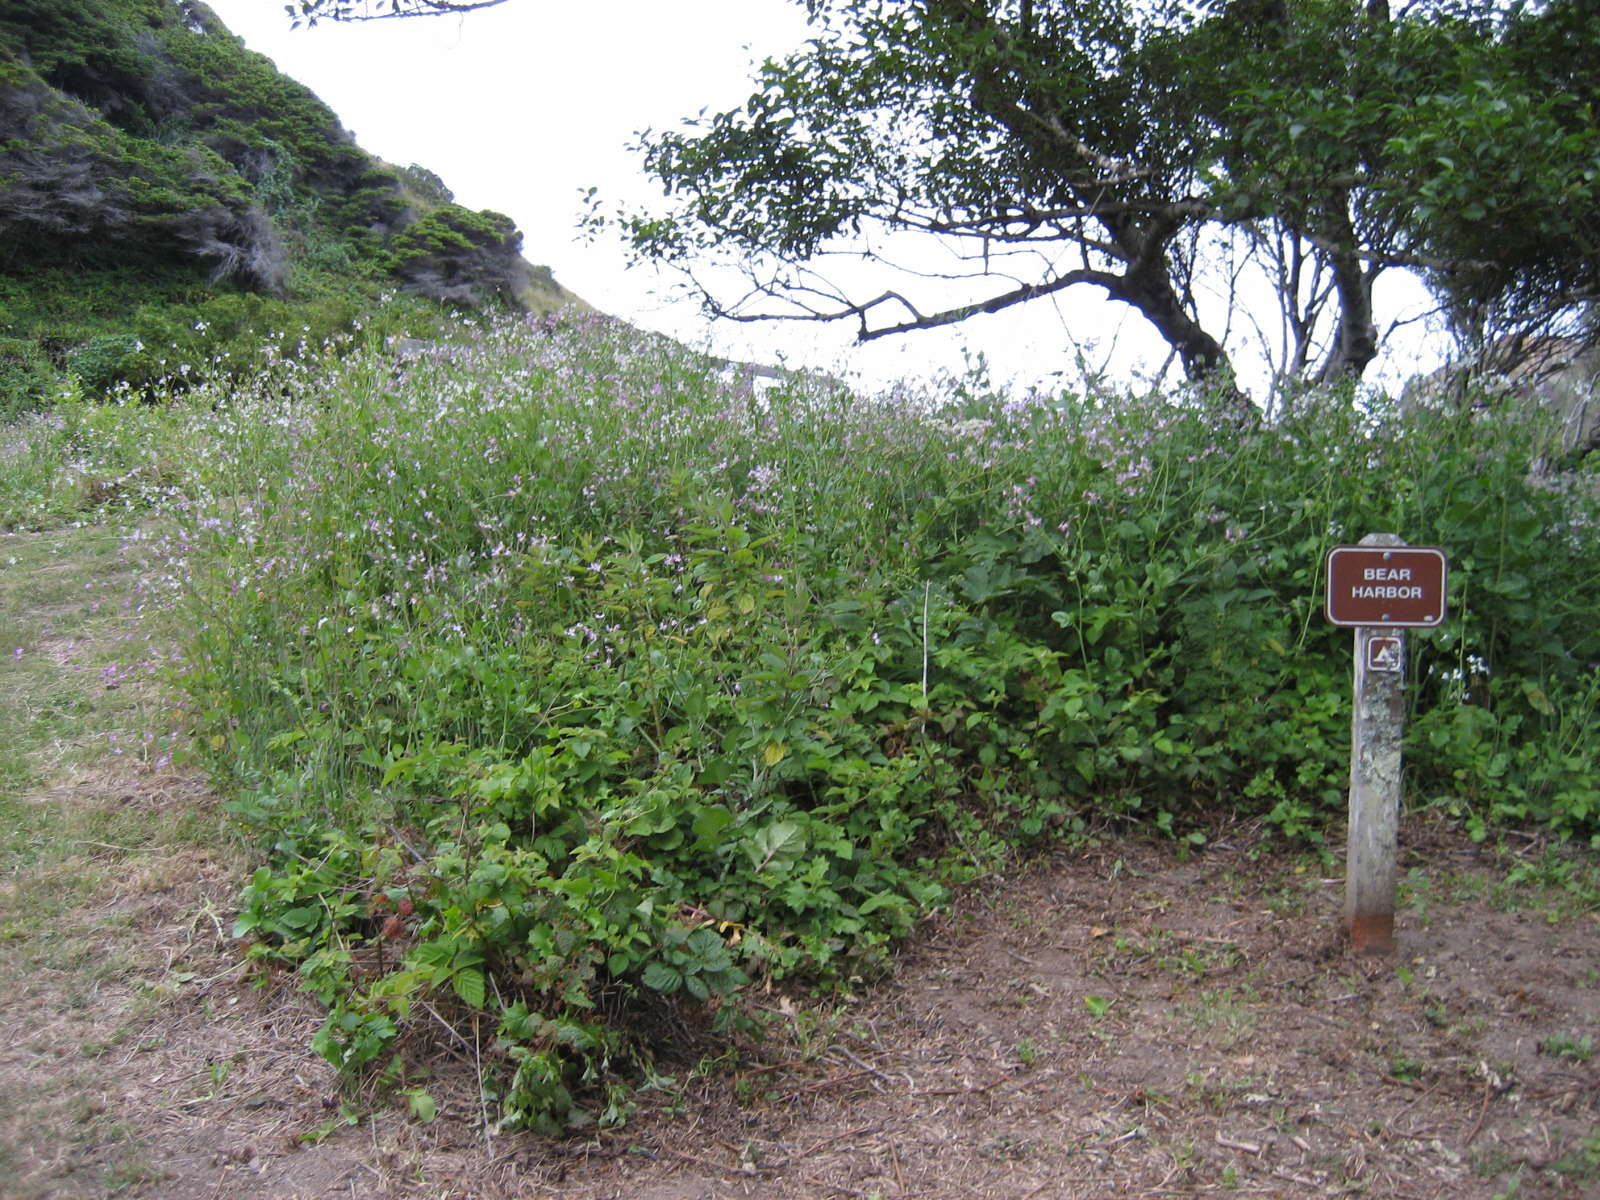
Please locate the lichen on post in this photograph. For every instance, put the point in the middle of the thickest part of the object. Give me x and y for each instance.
(1376, 729)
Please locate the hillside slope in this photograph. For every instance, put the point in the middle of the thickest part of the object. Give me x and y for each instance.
(158, 180)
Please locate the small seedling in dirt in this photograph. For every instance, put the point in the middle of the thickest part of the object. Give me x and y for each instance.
(1020, 918)
(1024, 995)
(676, 1102)
(1217, 1094)
(87, 1115)
(1183, 1157)
(1006, 1148)
(1489, 1163)
(1151, 900)
(1557, 883)
(1224, 1011)
(218, 1073)
(1405, 1068)
(131, 1173)
(1290, 894)
(1027, 1052)
(813, 1030)
(1229, 1179)
(421, 1105)
(1567, 1045)
(1098, 1006)
(710, 1066)
(348, 1114)
(1199, 961)
(1583, 1163)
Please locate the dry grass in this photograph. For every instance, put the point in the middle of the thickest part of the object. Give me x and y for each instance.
(1238, 1049)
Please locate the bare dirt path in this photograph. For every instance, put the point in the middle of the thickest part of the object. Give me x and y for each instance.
(1115, 1023)
(1122, 1020)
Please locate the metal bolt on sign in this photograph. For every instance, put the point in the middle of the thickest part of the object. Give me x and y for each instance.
(1380, 587)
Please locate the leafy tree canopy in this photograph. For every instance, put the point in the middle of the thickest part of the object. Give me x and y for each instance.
(1135, 145)
(1132, 145)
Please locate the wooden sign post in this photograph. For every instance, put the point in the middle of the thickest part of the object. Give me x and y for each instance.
(1380, 587)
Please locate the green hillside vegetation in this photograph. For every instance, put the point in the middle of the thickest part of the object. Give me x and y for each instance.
(167, 198)
(564, 680)
(573, 692)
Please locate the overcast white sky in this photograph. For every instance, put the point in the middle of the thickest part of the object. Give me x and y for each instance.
(518, 108)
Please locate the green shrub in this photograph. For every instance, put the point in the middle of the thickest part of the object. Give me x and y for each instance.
(461, 256)
(27, 379)
(559, 675)
(102, 362)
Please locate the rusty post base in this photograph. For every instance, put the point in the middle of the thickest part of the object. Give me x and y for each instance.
(1372, 933)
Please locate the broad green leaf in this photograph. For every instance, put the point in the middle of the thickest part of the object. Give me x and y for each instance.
(469, 985)
(709, 823)
(304, 917)
(662, 978)
(422, 1106)
(782, 842)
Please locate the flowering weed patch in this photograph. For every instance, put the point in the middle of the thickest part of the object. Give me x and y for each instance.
(563, 678)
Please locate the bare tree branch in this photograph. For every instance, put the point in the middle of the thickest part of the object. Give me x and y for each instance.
(309, 12)
(951, 316)
(839, 308)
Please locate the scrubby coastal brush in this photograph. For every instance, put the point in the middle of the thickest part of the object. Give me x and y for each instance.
(632, 685)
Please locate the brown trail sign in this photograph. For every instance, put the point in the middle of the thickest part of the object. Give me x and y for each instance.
(1381, 588)
(1384, 584)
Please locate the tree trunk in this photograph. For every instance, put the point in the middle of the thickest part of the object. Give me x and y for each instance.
(1149, 289)
(1141, 243)
(1357, 342)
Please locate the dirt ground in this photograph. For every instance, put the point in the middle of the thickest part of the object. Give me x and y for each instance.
(1125, 1020)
